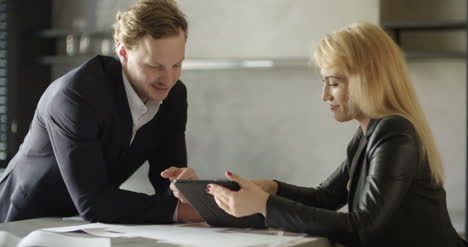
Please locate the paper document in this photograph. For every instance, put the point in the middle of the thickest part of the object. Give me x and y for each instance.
(77, 228)
(8, 240)
(51, 239)
(194, 234)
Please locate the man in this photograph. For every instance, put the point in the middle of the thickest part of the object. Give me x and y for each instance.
(97, 124)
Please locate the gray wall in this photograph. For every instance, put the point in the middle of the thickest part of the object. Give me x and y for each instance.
(441, 85)
(271, 122)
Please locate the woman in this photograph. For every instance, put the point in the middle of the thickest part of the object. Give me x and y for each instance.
(392, 178)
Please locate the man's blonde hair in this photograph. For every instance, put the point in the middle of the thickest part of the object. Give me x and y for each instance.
(379, 82)
(157, 18)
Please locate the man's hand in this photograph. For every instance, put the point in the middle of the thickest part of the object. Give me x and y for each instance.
(172, 173)
(185, 212)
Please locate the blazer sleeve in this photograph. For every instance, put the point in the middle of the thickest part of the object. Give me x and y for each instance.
(330, 194)
(73, 128)
(172, 150)
(392, 166)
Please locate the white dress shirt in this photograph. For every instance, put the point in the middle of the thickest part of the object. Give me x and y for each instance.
(142, 113)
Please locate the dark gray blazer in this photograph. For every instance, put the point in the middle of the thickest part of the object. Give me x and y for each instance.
(77, 152)
(391, 198)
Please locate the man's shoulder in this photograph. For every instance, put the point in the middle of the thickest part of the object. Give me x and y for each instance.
(98, 73)
(95, 82)
(97, 68)
(101, 63)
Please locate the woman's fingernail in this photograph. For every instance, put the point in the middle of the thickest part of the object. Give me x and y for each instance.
(207, 190)
(229, 173)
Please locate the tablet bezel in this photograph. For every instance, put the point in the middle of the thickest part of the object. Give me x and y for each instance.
(195, 193)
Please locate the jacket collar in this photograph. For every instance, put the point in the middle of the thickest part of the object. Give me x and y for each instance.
(357, 162)
(371, 127)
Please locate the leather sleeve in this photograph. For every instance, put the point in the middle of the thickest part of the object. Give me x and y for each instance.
(331, 194)
(72, 125)
(392, 158)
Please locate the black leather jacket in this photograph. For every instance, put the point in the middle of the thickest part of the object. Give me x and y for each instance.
(391, 198)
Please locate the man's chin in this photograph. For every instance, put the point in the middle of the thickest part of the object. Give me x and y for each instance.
(159, 97)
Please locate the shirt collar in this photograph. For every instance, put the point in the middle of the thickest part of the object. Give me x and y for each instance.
(137, 107)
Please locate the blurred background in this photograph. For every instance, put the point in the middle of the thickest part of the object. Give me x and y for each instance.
(254, 102)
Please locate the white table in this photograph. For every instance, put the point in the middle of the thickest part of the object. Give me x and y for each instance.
(23, 228)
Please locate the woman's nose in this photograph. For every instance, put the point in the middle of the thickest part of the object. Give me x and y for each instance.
(325, 94)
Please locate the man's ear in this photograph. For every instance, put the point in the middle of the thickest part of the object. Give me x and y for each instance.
(122, 53)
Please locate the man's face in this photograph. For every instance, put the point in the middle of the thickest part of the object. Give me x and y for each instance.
(153, 66)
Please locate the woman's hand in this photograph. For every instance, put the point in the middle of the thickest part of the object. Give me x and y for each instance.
(267, 185)
(172, 173)
(250, 199)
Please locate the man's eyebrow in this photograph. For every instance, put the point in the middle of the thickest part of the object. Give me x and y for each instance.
(159, 64)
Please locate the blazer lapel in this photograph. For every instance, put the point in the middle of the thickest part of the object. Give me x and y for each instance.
(355, 167)
(123, 108)
(358, 161)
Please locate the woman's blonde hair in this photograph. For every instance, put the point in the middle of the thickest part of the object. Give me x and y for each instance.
(157, 18)
(379, 82)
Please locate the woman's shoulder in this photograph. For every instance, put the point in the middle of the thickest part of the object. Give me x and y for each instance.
(392, 128)
(393, 124)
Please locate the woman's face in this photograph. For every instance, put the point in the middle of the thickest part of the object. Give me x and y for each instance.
(335, 92)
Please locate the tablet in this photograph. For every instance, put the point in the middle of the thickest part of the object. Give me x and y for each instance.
(195, 193)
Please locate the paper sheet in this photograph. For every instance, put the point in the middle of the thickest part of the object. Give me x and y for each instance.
(51, 239)
(73, 218)
(77, 228)
(193, 234)
(8, 240)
